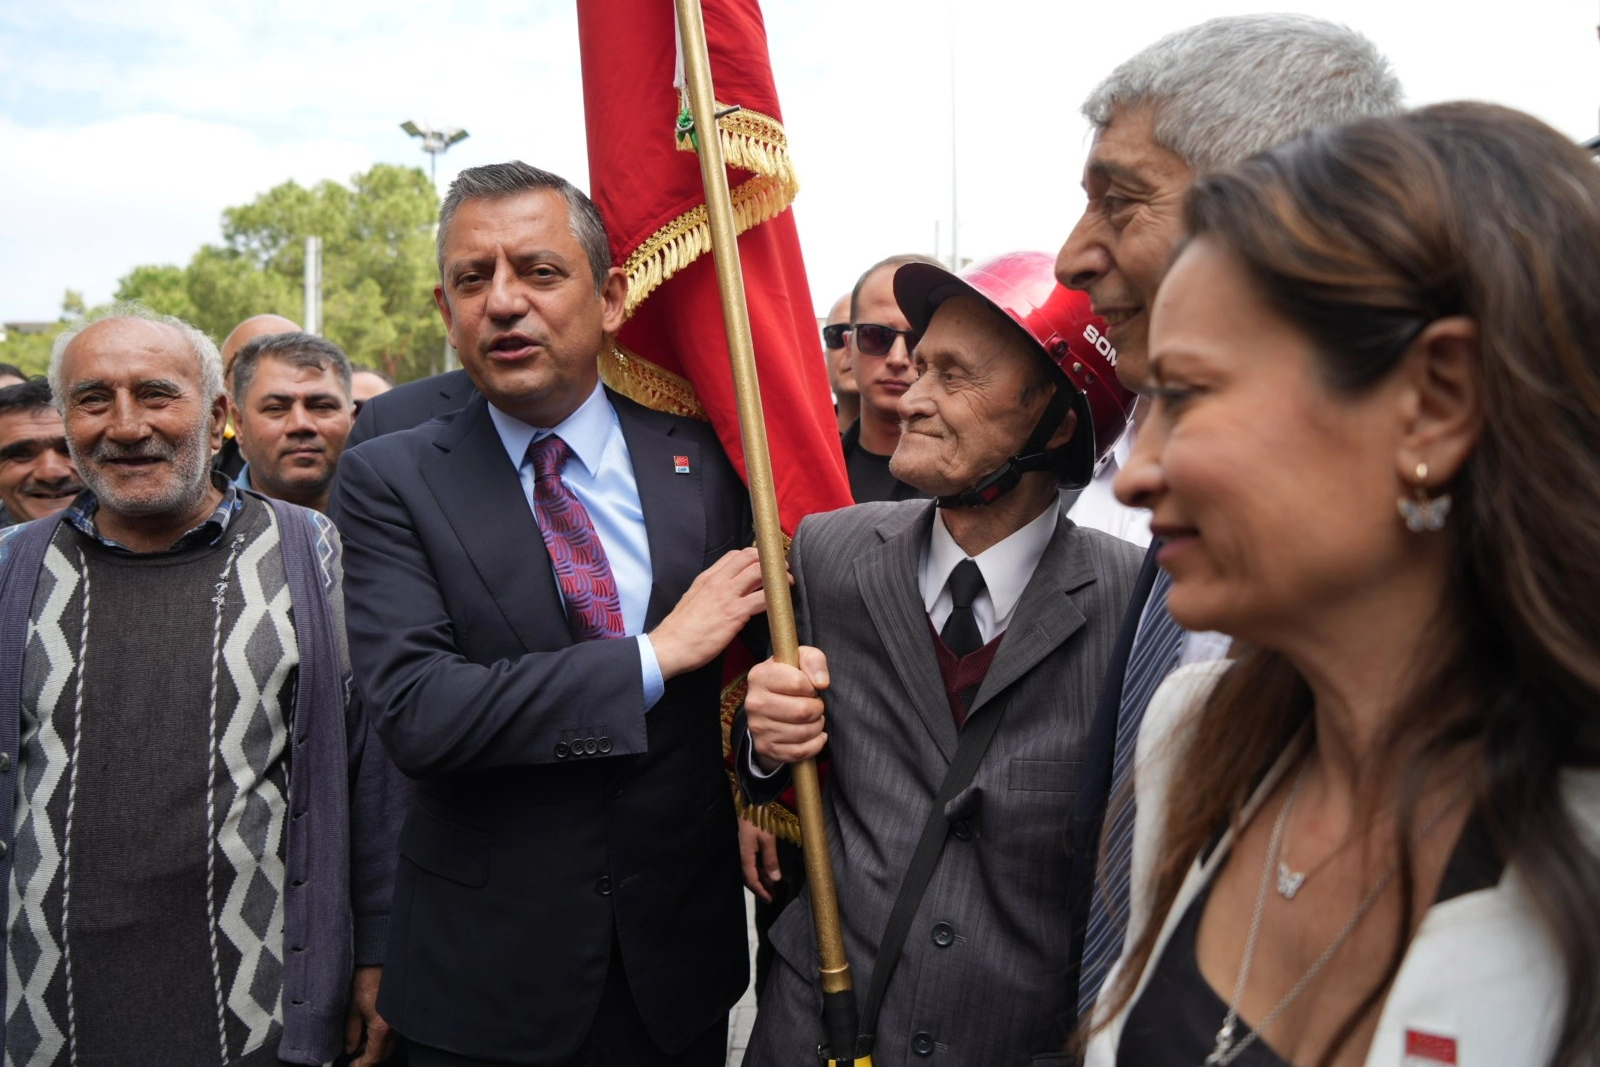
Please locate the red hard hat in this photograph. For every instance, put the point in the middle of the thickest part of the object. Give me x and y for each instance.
(1023, 285)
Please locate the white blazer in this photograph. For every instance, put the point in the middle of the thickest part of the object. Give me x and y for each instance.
(1482, 979)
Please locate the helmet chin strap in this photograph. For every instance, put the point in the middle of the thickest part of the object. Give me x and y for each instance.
(1032, 457)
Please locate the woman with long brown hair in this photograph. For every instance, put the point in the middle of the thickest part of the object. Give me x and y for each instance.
(1374, 458)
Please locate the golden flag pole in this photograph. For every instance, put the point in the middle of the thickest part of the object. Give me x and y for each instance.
(839, 1006)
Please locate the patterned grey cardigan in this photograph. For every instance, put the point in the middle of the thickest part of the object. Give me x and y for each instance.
(347, 801)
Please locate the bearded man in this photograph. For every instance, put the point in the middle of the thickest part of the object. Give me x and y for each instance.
(193, 849)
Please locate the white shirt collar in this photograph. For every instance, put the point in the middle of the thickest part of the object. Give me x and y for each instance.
(585, 431)
(1124, 446)
(1006, 566)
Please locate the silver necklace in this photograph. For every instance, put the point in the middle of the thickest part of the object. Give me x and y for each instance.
(1291, 881)
(1228, 1049)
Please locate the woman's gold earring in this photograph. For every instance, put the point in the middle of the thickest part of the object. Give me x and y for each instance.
(1419, 512)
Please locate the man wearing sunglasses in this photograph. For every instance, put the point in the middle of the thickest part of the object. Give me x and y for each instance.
(841, 376)
(880, 355)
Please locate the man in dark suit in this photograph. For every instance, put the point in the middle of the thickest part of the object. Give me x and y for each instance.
(1199, 99)
(928, 622)
(541, 587)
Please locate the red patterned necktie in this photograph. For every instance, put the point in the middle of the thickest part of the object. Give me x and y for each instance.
(593, 608)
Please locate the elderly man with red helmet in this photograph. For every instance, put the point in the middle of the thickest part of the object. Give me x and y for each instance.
(957, 646)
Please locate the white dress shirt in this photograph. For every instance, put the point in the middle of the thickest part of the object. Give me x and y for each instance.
(600, 474)
(1098, 508)
(1006, 566)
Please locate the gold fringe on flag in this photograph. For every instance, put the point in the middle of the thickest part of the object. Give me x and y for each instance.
(750, 141)
(773, 818)
(645, 383)
(756, 143)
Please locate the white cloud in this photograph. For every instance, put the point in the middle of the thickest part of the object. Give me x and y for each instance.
(130, 124)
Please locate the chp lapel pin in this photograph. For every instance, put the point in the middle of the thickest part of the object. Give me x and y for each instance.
(680, 464)
(1429, 1050)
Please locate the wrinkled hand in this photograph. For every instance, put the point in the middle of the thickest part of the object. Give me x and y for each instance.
(758, 855)
(783, 711)
(724, 597)
(362, 1023)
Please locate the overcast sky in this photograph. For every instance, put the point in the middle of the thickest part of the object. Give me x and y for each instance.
(127, 126)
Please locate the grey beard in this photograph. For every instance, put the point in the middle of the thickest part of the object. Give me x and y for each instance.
(191, 465)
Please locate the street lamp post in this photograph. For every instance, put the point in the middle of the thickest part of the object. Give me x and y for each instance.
(435, 141)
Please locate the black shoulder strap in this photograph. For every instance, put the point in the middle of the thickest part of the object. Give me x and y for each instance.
(970, 749)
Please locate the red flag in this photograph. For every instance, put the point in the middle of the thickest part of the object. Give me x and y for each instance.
(644, 177)
(645, 180)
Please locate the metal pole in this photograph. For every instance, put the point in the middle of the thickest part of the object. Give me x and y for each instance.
(839, 998)
(313, 287)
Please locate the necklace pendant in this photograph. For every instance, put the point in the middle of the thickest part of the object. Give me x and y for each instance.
(1219, 1054)
(1289, 882)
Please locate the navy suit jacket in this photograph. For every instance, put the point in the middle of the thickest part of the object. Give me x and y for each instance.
(412, 404)
(552, 813)
(1089, 809)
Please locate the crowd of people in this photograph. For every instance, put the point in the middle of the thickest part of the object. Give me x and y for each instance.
(1200, 676)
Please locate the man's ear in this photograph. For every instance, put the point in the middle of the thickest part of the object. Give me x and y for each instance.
(219, 419)
(614, 298)
(442, 302)
(1442, 400)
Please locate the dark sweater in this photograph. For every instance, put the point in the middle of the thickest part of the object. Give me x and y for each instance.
(297, 941)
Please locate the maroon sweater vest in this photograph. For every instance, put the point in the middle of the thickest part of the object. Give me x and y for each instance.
(963, 674)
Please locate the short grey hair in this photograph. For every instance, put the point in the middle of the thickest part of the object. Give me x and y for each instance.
(305, 350)
(500, 180)
(1229, 88)
(204, 349)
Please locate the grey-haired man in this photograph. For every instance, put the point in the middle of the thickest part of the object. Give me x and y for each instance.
(1202, 98)
(195, 840)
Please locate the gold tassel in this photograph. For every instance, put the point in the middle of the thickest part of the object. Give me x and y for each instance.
(750, 141)
(645, 383)
(774, 818)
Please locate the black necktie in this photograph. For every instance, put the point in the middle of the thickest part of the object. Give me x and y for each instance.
(961, 634)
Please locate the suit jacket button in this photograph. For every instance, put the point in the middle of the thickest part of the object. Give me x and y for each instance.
(604, 743)
(590, 746)
(603, 886)
(922, 1043)
(5, 762)
(944, 935)
(962, 828)
(561, 750)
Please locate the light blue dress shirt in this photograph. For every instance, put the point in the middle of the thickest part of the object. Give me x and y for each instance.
(600, 474)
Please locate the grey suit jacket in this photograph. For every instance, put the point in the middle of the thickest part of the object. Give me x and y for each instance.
(983, 979)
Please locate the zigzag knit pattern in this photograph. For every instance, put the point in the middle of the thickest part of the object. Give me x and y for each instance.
(594, 610)
(253, 659)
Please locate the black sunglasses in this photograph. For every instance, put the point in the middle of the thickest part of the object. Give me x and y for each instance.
(873, 339)
(834, 336)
